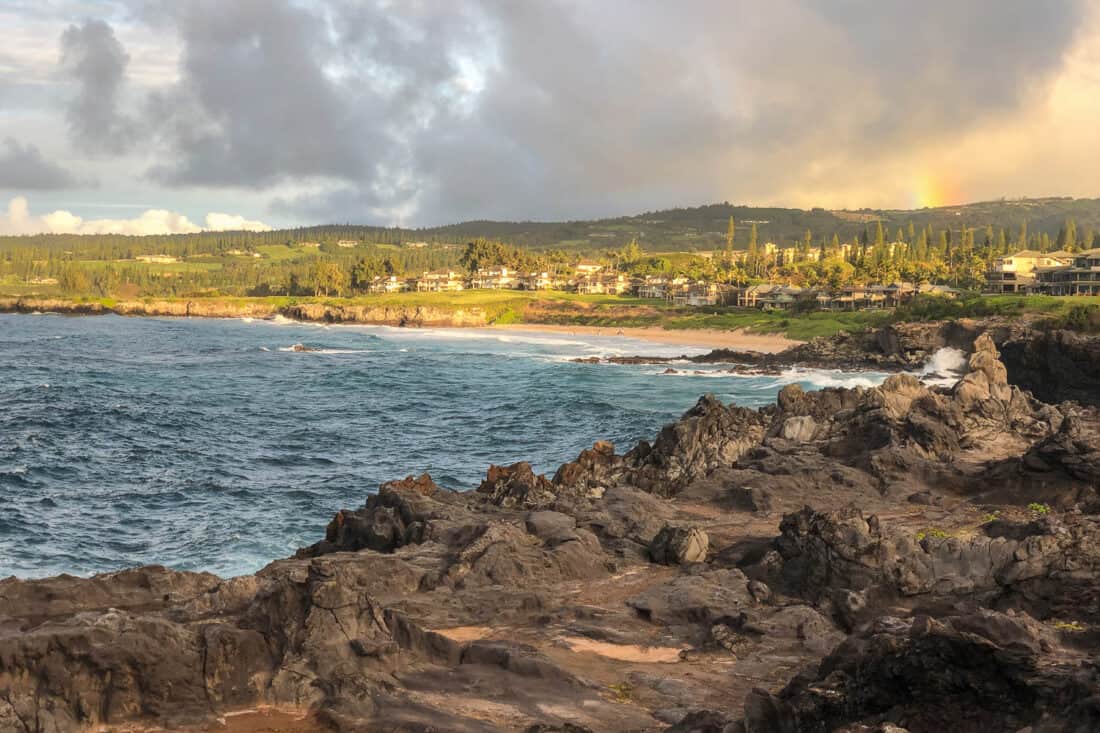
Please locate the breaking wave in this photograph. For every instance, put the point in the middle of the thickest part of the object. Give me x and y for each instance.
(944, 368)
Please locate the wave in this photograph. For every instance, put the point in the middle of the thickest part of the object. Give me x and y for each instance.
(815, 378)
(310, 350)
(827, 378)
(944, 368)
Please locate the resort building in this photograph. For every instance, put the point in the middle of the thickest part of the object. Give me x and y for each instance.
(157, 259)
(494, 278)
(443, 281)
(588, 267)
(391, 284)
(1018, 273)
(1081, 276)
(348, 243)
(605, 284)
(652, 287)
(698, 293)
(536, 281)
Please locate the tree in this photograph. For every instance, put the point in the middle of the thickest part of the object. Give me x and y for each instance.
(629, 254)
(731, 230)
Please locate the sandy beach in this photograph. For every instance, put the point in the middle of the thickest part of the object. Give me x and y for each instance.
(703, 337)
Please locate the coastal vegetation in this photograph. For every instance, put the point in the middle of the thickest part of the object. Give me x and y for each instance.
(731, 245)
(614, 312)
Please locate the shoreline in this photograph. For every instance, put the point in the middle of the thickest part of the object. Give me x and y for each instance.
(411, 317)
(704, 338)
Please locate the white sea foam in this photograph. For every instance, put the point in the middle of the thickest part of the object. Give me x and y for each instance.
(309, 350)
(944, 368)
(703, 373)
(282, 320)
(826, 378)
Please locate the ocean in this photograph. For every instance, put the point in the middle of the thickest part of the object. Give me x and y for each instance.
(212, 445)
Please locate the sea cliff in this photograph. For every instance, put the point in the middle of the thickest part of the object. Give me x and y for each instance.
(902, 557)
(244, 308)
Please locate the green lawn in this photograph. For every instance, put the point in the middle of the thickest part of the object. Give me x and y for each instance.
(553, 307)
(159, 267)
(280, 252)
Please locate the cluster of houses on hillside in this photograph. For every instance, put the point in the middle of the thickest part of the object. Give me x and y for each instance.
(593, 279)
(1048, 273)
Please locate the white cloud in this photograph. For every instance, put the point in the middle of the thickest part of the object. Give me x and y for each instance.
(19, 220)
(218, 222)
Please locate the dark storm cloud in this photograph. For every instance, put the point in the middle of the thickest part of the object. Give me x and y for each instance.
(93, 58)
(492, 108)
(23, 168)
(254, 106)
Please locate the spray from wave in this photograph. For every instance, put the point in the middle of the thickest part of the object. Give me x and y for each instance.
(944, 368)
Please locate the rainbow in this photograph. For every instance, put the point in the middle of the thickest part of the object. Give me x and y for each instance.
(935, 192)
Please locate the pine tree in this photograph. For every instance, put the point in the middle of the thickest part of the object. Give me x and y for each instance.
(1021, 242)
(753, 256)
(730, 231)
(912, 233)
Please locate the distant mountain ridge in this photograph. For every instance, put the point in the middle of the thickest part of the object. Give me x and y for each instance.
(679, 229)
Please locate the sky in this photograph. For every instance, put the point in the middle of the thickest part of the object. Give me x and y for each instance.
(150, 116)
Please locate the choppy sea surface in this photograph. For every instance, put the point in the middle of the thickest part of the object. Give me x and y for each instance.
(212, 445)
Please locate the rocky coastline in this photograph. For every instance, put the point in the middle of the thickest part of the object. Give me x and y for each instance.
(1055, 365)
(895, 558)
(408, 316)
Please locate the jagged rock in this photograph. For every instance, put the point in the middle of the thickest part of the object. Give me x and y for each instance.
(517, 486)
(1054, 365)
(679, 546)
(709, 436)
(527, 604)
(594, 469)
(408, 511)
(1049, 567)
(980, 672)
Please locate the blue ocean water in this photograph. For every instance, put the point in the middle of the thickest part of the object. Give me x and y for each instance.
(211, 445)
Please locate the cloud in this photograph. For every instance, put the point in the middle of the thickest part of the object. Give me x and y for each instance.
(584, 109)
(218, 222)
(419, 113)
(93, 58)
(19, 220)
(23, 167)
